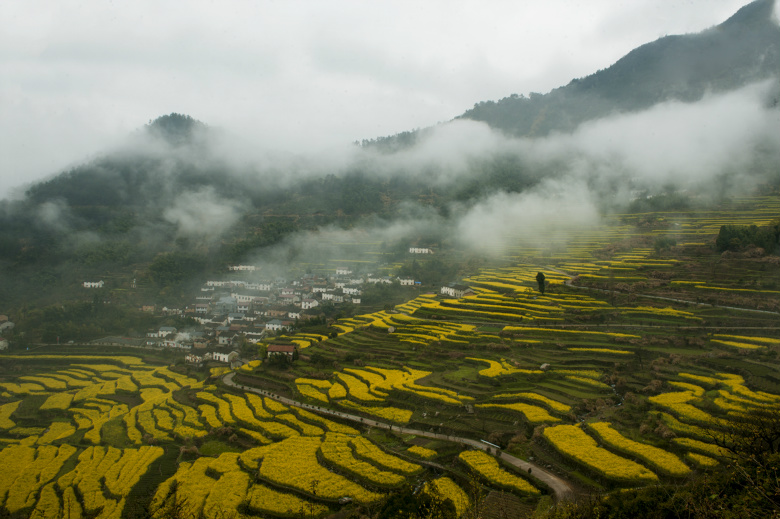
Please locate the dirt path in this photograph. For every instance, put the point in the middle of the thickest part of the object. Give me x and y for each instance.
(560, 487)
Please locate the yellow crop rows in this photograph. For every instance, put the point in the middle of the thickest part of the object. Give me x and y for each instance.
(366, 450)
(502, 367)
(422, 452)
(533, 413)
(444, 488)
(659, 458)
(486, 466)
(336, 449)
(572, 441)
(6, 410)
(549, 402)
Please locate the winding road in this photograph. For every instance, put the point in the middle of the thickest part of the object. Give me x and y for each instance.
(560, 487)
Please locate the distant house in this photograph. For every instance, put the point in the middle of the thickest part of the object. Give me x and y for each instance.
(227, 358)
(420, 250)
(275, 325)
(118, 341)
(287, 350)
(308, 304)
(455, 290)
(191, 358)
(242, 268)
(201, 308)
(226, 305)
(406, 282)
(165, 331)
(3, 344)
(93, 284)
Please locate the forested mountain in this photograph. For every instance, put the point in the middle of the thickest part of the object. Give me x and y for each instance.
(174, 202)
(743, 49)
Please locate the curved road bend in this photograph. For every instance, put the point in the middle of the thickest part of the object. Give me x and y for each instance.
(559, 486)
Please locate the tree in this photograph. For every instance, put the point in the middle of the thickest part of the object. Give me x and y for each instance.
(540, 281)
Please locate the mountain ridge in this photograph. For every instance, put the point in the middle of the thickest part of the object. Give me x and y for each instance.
(743, 49)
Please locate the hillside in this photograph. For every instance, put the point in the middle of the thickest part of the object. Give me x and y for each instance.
(743, 49)
(176, 202)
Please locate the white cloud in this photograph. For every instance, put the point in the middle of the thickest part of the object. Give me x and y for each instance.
(76, 76)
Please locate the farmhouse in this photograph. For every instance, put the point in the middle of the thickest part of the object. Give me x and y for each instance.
(406, 282)
(287, 350)
(455, 290)
(165, 331)
(420, 250)
(275, 325)
(308, 304)
(93, 284)
(242, 268)
(227, 358)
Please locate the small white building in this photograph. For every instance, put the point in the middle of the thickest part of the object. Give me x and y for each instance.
(227, 358)
(275, 325)
(93, 284)
(420, 250)
(242, 268)
(455, 290)
(308, 304)
(406, 282)
(343, 271)
(352, 291)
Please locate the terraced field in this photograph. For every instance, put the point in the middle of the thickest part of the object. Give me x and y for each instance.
(618, 376)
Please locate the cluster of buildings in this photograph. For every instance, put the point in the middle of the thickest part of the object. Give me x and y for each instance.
(231, 312)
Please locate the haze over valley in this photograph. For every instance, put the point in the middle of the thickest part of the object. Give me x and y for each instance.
(370, 300)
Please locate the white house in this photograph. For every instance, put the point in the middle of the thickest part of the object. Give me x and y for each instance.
(165, 331)
(343, 271)
(243, 268)
(420, 250)
(308, 304)
(352, 291)
(406, 282)
(3, 344)
(227, 358)
(454, 290)
(191, 358)
(93, 284)
(274, 325)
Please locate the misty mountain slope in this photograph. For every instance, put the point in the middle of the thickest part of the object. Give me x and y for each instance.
(181, 200)
(742, 50)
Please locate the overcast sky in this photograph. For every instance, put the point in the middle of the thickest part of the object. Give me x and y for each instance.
(78, 76)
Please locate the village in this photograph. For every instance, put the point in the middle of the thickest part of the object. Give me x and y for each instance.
(229, 314)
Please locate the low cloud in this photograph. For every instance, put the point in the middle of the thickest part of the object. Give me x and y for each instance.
(202, 214)
(549, 214)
